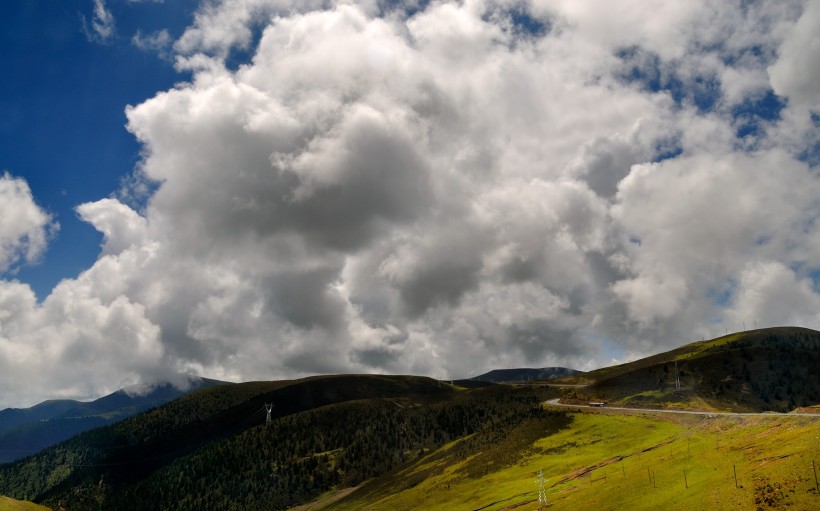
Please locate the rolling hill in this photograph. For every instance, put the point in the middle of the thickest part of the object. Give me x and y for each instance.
(601, 461)
(357, 442)
(772, 369)
(213, 450)
(25, 431)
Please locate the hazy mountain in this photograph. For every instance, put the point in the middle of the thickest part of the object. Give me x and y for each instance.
(524, 374)
(11, 417)
(24, 431)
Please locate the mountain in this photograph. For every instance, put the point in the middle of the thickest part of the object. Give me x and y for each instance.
(771, 369)
(524, 374)
(356, 442)
(11, 417)
(212, 449)
(28, 430)
(138, 398)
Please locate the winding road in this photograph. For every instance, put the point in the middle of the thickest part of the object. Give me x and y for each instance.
(554, 402)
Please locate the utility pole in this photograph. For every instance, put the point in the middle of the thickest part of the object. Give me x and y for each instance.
(542, 491)
(268, 408)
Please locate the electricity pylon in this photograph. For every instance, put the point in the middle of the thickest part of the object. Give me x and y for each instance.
(268, 408)
(677, 376)
(542, 492)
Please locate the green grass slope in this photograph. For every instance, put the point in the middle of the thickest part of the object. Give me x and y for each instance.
(605, 461)
(8, 504)
(773, 369)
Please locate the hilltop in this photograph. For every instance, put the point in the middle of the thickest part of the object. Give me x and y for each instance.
(771, 369)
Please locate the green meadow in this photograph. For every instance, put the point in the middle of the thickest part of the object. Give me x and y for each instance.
(604, 460)
(7, 504)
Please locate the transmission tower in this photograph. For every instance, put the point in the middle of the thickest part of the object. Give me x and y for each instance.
(542, 492)
(677, 376)
(268, 408)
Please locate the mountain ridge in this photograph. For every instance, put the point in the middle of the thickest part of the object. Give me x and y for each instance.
(523, 374)
(24, 431)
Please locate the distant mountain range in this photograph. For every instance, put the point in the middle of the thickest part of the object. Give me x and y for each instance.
(524, 374)
(25, 431)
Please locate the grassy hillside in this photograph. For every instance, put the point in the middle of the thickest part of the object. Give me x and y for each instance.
(602, 461)
(8, 504)
(773, 369)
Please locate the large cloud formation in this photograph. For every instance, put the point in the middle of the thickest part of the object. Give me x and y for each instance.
(446, 188)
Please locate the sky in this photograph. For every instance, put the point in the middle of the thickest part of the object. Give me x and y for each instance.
(268, 189)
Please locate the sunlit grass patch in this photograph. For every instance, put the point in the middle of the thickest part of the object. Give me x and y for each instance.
(7, 504)
(607, 461)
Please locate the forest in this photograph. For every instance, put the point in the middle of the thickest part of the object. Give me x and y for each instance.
(214, 449)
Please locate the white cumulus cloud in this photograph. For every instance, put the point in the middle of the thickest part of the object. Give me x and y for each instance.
(24, 226)
(796, 73)
(444, 191)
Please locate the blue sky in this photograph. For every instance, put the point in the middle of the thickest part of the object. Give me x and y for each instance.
(62, 111)
(261, 189)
